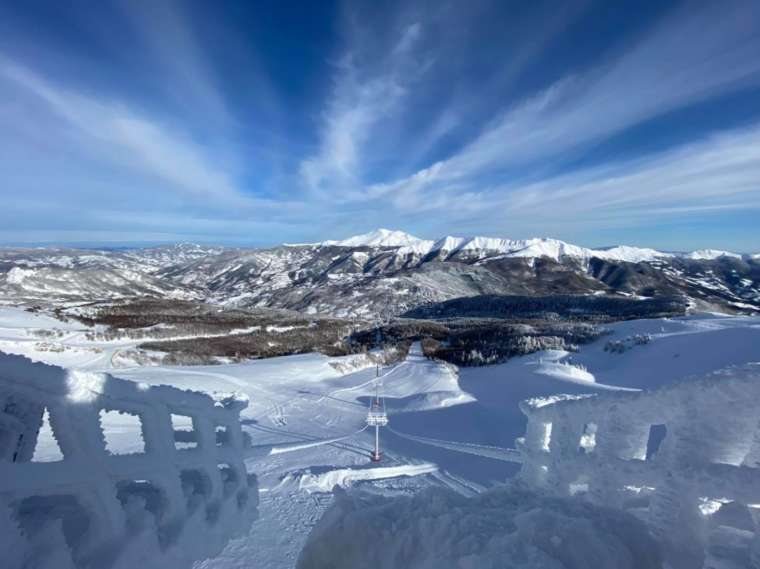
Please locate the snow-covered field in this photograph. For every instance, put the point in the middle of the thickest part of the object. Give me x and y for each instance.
(449, 427)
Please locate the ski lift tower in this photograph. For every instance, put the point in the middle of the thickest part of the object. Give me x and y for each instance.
(377, 417)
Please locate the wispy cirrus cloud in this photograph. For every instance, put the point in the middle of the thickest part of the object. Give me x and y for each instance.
(360, 99)
(692, 56)
(718, 173)
(106, 131)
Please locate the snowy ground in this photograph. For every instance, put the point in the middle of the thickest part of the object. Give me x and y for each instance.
(449, 426)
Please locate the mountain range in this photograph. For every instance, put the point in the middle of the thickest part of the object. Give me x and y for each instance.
(382, 273)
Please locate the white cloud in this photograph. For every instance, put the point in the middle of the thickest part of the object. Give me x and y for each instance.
(361, 98)
(690, 57)
(113, 132)
(717, 174)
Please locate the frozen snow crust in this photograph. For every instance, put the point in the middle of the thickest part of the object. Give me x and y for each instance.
(508, 526)
(160, 506)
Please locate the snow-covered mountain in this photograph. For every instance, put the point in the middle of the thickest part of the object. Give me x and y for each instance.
(540, 248)
(711, 254)
(379, 273)
(377, 238)
(449, 245)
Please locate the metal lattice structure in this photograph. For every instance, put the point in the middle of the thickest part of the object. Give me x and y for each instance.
(377, 417)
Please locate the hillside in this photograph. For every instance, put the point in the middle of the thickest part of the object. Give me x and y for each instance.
(377, 275)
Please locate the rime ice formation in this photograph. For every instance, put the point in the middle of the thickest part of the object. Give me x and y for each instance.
(178, 500)
(603, 448)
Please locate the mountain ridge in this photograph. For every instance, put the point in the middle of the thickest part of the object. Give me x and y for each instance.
(379, 273)
(533, 246)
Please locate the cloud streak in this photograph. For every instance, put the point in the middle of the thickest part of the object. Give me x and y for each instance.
(719, 173)
(689, 58)
(112, 132)
(360, 99)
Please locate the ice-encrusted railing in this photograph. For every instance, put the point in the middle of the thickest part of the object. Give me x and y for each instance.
(603, 447)
(179, 498)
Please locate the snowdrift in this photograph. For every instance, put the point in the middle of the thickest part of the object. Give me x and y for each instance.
(504, 527)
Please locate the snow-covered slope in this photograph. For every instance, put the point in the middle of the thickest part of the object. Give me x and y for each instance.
(45, 283)
(533, 248)
(711, 254)
(630, 254)
(377, 238)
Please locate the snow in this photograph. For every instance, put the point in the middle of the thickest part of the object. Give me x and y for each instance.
(17, 275)
(19, 321)
(529, 248)
(451, 428)
(448, 243)
(421, 248)
(505, 527)
(448, 530)
(630, 254)
(345, 477)
(680, 348)
(710, 254)
(541, 247)
(563, 370)
(377, 238)
(550, 248)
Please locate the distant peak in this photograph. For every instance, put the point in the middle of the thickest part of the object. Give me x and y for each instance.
(710, 254)
(378, 238)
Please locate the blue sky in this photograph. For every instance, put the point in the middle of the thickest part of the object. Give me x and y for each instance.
(255, 123)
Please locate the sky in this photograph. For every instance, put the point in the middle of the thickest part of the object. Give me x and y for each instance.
(257, 123)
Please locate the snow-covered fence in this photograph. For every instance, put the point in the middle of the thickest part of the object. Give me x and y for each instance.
(163, 486)
(676, 455)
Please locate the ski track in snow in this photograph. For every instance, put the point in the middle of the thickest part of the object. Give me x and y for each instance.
(451, 429)
(280, 449)
(487, 451)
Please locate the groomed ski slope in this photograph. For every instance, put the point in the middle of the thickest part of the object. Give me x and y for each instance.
(449, 427)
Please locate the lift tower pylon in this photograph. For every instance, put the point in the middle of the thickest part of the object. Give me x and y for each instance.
(377, 417)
